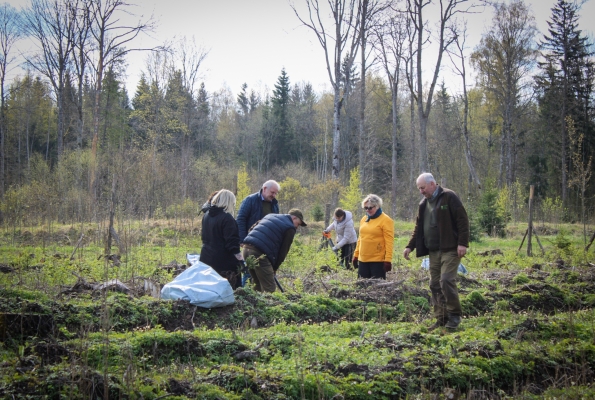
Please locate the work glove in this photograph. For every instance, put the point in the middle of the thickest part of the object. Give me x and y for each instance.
(387, 266)
(355, 262)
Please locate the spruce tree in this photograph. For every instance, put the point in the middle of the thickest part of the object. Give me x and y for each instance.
(283, 140)
(565, 84)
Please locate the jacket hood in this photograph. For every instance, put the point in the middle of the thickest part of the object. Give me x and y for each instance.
(348, 216)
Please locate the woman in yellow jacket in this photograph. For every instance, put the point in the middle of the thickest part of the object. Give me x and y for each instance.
(374, 250)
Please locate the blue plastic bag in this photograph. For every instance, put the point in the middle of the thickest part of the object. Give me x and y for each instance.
(201, 285)
(425, 264)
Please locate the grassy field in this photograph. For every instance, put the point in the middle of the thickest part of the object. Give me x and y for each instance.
(528, 329)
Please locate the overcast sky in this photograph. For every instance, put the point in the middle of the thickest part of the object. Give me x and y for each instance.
(250, 41)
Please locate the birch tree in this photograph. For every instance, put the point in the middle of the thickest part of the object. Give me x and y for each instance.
(339, 42)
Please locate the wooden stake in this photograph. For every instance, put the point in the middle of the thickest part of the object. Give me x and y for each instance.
(523, 241)
(590, 242)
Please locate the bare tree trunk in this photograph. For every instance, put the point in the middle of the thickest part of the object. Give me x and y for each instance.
(110, 41)
(393, 163)
(336, 165)
(473, 177)
(501, 161)
(346, 19)
(448, 9)
(391, 35)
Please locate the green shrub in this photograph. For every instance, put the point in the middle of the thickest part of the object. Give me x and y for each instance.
(521, 279)
(317, 213)
(475, 228)
(492, 218)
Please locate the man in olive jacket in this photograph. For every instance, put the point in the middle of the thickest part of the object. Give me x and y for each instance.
(442, 232)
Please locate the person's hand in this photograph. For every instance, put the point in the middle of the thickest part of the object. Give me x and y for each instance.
(355, 262)
(325, 231)
(335, 248)
(406, 253)
(243, 266)
(461, 251)
(387, 266)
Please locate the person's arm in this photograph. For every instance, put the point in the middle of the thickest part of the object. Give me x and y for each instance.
(359, 238)
(231, 234)
(242, 219)
(330, 227)
(285, 246)
(348, 228)
(462, 221)
(388, 230)
(411, 245)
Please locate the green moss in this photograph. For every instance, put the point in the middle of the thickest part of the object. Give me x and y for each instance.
(521, 279)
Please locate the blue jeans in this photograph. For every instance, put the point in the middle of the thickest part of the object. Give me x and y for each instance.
(245, 278)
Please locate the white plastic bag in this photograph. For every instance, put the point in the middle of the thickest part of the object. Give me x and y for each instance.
(425, 264)
(201, 285)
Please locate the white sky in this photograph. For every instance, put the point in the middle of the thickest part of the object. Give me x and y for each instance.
(250, 41)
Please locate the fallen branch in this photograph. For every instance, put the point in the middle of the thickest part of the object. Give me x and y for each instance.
(77, 246)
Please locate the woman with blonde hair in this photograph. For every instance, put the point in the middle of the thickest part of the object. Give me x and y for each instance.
(221, 238)
(374, 250)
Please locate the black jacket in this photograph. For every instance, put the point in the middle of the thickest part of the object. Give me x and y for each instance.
(220, 240)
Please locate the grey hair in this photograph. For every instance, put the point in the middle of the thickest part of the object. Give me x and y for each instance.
(270, 183)
(226, 200)
(373, 200)
(426, 177)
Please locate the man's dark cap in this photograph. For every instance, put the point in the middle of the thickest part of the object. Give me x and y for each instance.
(297, 213)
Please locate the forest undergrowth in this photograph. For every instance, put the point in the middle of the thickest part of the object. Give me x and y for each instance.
(79, 323)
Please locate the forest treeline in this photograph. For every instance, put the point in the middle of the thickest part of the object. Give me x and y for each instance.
(75, 146)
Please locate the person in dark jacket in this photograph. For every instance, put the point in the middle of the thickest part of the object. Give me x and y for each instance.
(442, 232)
(205, 207)
(254, 207)
(268, 243)
(221, 239)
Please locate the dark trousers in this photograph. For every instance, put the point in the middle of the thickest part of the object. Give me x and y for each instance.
(371, 270)
(234, 278)
(346, 255)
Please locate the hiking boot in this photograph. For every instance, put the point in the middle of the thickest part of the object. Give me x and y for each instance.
(453, 321)
(438, 324)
